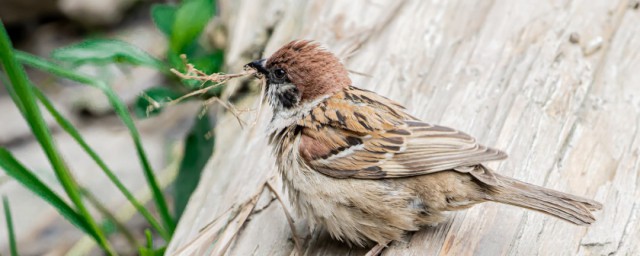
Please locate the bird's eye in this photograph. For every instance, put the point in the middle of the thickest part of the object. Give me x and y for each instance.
(279, 73)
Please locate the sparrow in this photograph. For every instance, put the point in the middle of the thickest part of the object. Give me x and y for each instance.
(360, 166)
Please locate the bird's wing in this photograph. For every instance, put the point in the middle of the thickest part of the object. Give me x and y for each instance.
(359, 134)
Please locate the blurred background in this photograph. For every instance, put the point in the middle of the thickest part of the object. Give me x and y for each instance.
(100, 156)
(103, 66)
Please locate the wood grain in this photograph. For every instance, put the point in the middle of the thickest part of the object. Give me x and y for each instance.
(567, 113)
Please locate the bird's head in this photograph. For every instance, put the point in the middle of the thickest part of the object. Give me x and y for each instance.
(300, 72)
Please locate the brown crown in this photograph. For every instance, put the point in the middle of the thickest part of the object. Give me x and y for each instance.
(314, 70)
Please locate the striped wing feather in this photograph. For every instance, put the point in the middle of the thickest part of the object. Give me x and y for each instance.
(366, 136)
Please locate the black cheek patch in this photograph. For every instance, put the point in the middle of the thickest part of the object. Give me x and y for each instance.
(289, 98)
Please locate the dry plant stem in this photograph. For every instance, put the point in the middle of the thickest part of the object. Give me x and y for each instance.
(194, 93)
(376, 250)
(294, 233)
(235, 112)
(195, 74)
(217, 79)
(263, 89)
(221, 231)
(224, 240)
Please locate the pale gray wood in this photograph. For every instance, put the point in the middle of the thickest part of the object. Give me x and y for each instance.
(568, 114)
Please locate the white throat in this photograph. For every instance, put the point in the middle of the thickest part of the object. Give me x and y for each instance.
(285, 117)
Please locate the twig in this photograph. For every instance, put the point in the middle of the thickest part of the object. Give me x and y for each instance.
(263, 89)
(222, 231)
(376, 250)
(229, 107)
(296, 238)
(218, 79)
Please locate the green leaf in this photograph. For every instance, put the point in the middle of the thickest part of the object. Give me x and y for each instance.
(150, 102)
(163, 16)
(192, 84)
(11, 234)
(26, 177)
(105, 51)
(160, 251)
(190, 19)
(175, 61)
(197, 151)
(211, 63)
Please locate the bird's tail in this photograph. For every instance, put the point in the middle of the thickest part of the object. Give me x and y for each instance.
(568, 207)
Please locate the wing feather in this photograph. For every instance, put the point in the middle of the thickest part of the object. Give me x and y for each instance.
(367, 136)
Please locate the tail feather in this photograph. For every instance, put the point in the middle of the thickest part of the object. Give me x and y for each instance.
(568, 207)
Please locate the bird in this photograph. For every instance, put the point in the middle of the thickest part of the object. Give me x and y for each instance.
(359, 165)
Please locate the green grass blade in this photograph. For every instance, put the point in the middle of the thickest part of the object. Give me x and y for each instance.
(71, 130)
(108, 217)
(25, 177)
(148, 250)
(158, 197)
(12, 235)
(106, 51)
(54, 68)
(121, 110)
(22, 89)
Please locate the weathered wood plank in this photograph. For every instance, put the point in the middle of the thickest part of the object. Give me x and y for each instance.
(504, 71)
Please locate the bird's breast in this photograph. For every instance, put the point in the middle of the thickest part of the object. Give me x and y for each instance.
(345, 207)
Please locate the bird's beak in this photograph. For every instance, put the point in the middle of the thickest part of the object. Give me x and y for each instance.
(258, 65)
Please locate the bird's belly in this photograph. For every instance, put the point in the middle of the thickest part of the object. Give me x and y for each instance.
(354, 210)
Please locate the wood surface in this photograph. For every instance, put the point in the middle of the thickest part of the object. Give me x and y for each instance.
(555, 84)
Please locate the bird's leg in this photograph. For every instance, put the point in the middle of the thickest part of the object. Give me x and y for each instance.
(376, 250)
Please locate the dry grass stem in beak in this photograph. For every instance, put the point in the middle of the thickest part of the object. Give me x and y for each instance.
(217, 79)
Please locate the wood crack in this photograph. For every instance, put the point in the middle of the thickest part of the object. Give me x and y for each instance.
(627, 228)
